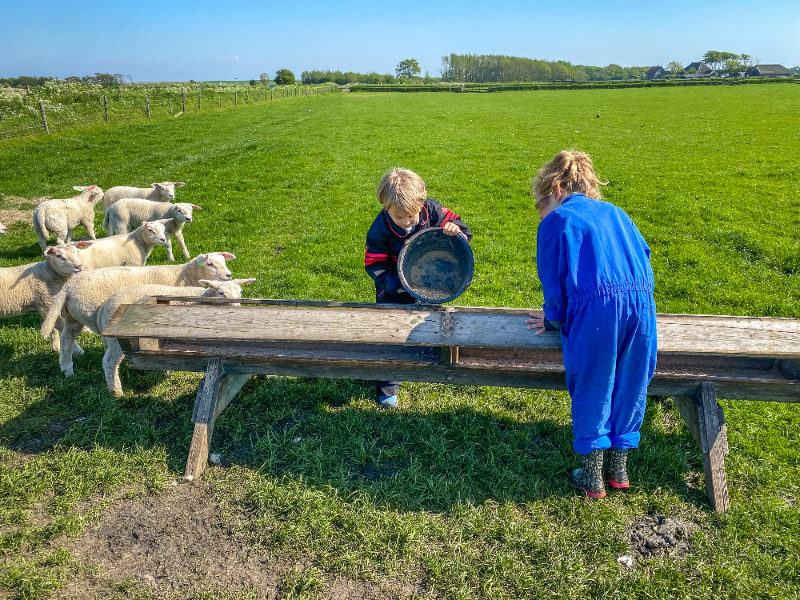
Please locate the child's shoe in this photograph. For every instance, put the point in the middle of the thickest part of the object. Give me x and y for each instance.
(387, 401)
(618, 468)
(589, 478)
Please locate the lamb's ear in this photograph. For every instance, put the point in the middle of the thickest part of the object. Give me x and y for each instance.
(80, 188)
(241, 282)
(202, 260)
(210, 283)
(195, 207)
(164, 221)
(83, 244)
(157, 186)
(178, 183)
(49, 250)
(226, 255)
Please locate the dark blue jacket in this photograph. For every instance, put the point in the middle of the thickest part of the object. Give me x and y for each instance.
(586, 249)
(385, 240)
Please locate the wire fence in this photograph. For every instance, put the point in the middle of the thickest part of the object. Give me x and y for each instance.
(23, 115)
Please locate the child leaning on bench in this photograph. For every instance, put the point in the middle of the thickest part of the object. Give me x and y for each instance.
(406, 210)
(594, 266)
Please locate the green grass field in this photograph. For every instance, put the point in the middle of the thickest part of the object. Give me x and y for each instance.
(463, 492)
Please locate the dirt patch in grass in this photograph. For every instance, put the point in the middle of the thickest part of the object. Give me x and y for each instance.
(180, 544)
(659, 535)
(23, 212)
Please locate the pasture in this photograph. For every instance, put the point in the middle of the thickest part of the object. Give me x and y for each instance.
(463, 492)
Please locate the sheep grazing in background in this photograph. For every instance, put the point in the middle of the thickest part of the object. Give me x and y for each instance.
(157, 192)
(128, 213)
(128, 295)
(61, 216)
(126, 249)
(3, 229)
(27, 289)
(81, 297)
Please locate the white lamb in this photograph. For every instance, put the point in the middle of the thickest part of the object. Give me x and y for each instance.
(82, 296)
(129, 213)
(126, 249)
(3, 229)
(27, 289)
(61, 216)
(128, 295)
(157, 192)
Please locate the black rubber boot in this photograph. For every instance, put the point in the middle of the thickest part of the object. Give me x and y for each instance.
(618, 468)
(589, 477)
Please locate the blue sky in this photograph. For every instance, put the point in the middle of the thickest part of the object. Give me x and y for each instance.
(209, 40)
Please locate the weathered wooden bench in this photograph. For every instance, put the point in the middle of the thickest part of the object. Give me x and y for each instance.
(700, 357)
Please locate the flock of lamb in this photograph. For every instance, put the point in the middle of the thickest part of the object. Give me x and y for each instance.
(81, 284)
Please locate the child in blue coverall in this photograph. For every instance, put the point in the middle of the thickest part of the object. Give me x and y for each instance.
(406, 210)
(597, 282)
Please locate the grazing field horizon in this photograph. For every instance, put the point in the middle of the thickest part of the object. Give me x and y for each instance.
(464, 491)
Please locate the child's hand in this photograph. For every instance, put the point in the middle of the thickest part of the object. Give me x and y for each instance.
(451, 229)
(537, 322)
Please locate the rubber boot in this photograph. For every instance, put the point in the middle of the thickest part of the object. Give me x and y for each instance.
(618, 468)
(589, 478)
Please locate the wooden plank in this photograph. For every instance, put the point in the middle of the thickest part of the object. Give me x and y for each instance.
(207, 393)
(687, 407)
(431, 326)
(774, 390)
(714, 443)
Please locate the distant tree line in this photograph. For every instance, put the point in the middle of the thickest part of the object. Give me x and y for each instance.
(340, 78)
(103, 79)
(497, 68)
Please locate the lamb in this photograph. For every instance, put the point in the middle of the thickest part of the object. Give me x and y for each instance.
(128, 213)
(61, 216)
(126, 249)
(128, 295)
(80, 299)
(30, 288)
(157, 192)
(3, 229)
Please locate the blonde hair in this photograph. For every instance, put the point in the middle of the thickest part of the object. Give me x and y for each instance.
(571, 171)
(403, 189)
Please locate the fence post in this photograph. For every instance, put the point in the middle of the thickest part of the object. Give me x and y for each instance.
(170, 105)
(147, 106)
(183, 100)
(199, 94)
(220, 101)
(105, 106)
(247, 97)
(44, 117)
(235, 98)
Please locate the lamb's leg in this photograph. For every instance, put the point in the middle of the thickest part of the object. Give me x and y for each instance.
(111, 361)
(68, 335)
(76, 349)
(179, 237)
(168, 246)
(89, 224)
(67, 238)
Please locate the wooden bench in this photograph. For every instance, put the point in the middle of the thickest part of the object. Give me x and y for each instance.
(700, 357)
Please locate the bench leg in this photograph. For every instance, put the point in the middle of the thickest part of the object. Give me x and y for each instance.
(215, 393)
(706, 420)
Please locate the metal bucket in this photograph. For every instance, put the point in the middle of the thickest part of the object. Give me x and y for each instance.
(434, 267)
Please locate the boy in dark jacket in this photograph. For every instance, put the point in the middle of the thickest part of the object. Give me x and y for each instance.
(406, 210)
(594, 266)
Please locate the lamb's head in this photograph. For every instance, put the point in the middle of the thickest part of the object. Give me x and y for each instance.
(94, 192)
(3, 229)
(64, 259)
(154, 232)
(166, 189)
(182, 211)
(212, 266)
(225, 289)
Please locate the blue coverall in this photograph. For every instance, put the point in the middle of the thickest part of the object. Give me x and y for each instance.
(594, 266)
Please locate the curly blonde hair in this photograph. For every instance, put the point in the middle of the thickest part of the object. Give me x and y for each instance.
(403, 189)
(571, 171)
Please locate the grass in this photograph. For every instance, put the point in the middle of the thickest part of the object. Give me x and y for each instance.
(465, 489)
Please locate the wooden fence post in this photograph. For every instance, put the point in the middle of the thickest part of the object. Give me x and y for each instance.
(147, 106)
(199, 94)
(170, 106)
(105, 106)
(44, 117)
(247, 97)
(220, 101)
(183, 100)
(235, 96)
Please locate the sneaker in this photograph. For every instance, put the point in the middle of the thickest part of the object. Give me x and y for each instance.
(589, 478)
(387, 401)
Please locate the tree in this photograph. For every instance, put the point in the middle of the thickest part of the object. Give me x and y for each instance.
(284, 77)
(408, 68)
(675, 67)
(716, 60)
(264, 77)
